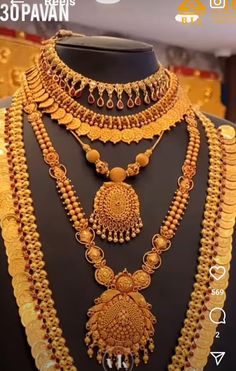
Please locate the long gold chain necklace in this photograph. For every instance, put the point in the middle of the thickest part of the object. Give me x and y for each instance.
(26, 262)
(121, 322)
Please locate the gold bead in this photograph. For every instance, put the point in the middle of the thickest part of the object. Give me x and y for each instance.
(86, 147)
(142, 159)
(94, 254)
(153, 258)
(151, 347)
(86, 236)
(117, 174)
(90, 352)
(160, 243)
(92, 156)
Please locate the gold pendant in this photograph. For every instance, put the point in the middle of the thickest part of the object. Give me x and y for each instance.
(121, 324)
(116, 215)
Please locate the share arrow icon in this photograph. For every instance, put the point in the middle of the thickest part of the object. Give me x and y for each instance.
(218, 357)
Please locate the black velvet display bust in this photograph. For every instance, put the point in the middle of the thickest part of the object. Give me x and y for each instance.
(71, 277)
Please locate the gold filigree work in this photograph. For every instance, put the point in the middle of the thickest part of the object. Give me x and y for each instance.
(116, 214)
(121, 323)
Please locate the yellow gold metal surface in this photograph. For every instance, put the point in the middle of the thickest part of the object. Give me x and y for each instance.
(116, 214)
(123, 283)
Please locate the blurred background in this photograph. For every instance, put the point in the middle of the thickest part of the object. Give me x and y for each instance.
(196, 39)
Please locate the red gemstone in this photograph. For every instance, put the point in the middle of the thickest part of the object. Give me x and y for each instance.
(63, 84)
(100, 102)
(137, 101)
(72, 92)
(110, 104)
(130, 103)
(91, 99)
(78, 93)
(120, 104)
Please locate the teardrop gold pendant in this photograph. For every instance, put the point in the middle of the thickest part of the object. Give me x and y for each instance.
(121, 323)
(116, 215)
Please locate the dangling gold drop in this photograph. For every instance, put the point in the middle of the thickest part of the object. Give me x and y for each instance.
(116, 216)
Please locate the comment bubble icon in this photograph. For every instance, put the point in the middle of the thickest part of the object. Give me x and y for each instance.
(217, 316)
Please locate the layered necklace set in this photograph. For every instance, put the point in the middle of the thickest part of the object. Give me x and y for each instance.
(121, 323)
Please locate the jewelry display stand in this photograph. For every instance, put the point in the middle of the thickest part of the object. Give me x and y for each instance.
(72, 279)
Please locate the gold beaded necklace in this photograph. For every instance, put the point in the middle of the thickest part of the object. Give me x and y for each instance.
(26, 263)
(121, 322)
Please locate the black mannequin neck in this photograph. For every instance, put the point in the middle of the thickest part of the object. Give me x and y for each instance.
(108, 59)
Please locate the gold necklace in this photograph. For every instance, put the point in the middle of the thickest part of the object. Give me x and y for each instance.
(116, 214)
(111, 96)
(129, 128)
(21, 239)
(121, 322)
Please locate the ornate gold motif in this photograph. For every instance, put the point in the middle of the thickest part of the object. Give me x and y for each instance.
(121, 323)
(116, 214)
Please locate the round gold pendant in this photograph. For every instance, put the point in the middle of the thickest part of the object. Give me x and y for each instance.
(116, 215)
(121, 324)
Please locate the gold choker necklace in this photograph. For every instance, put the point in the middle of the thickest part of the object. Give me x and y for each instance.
(161, 116)
(116, 95)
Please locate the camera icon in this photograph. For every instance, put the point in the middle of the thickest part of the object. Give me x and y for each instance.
(217, 4)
